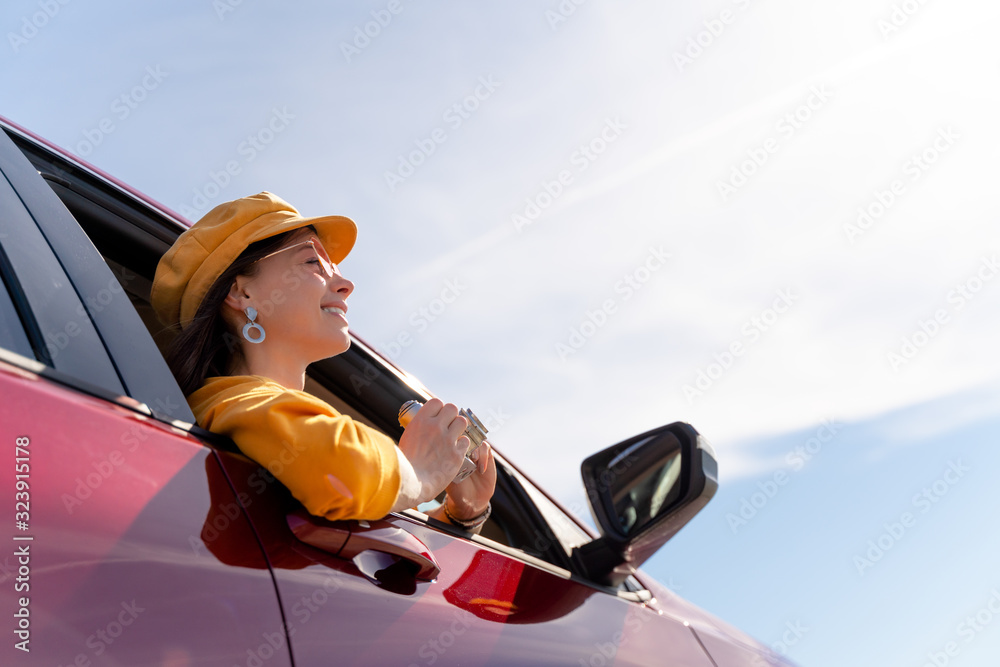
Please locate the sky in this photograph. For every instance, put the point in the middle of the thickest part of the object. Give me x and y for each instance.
(771, 219)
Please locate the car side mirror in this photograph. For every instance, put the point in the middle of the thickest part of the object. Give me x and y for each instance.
(641, 492)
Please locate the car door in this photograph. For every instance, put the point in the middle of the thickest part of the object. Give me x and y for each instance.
(408, 590)
(108, 509)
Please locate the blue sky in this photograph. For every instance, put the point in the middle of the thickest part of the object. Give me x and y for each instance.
(757, 216)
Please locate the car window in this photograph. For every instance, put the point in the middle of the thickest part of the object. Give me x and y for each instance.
(514, 521)
(12, 334)
(87, 328)
(51, 312)
(565, 529)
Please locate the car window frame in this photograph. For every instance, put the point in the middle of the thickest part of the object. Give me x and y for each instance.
(41, 290)
(142, 375)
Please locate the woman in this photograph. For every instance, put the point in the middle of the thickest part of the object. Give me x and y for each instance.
(256, 293)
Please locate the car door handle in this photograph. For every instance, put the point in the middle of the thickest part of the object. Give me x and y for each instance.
(371, 545)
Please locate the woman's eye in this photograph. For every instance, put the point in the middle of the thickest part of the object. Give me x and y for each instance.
(316, 265)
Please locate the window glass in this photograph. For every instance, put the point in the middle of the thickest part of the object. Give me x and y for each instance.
(12, 334)
(564, 528)
(510, 526)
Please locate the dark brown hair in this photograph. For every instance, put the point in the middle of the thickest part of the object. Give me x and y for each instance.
(206, 347)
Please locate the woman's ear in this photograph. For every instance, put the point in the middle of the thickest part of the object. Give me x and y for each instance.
(237, 298)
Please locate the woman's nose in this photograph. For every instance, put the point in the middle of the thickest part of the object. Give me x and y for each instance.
(342, 286)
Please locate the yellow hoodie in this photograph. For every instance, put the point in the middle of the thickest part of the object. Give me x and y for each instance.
(336, 467)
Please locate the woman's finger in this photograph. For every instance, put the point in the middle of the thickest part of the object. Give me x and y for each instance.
(483, 458)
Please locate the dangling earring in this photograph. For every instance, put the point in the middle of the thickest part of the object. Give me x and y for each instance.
(251, 314)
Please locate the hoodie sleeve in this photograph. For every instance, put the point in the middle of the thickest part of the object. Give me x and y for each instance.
(336, 467)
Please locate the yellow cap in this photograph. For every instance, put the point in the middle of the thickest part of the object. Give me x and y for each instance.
(201, 254)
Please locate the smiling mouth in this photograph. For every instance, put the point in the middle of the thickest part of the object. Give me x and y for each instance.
(335, 310)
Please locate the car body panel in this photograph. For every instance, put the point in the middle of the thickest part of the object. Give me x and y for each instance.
(728, 646)
(116, 512)
(485, 608)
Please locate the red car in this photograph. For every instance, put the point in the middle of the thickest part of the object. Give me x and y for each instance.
(137, 538)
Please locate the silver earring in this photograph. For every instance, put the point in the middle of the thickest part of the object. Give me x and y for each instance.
(251, 314)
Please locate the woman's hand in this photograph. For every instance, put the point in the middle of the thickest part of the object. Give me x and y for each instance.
(434, 445)
(468, 499)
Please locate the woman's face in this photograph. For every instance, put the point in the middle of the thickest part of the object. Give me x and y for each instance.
(301, 300)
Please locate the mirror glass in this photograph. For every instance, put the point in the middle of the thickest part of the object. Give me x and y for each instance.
(643, 481)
